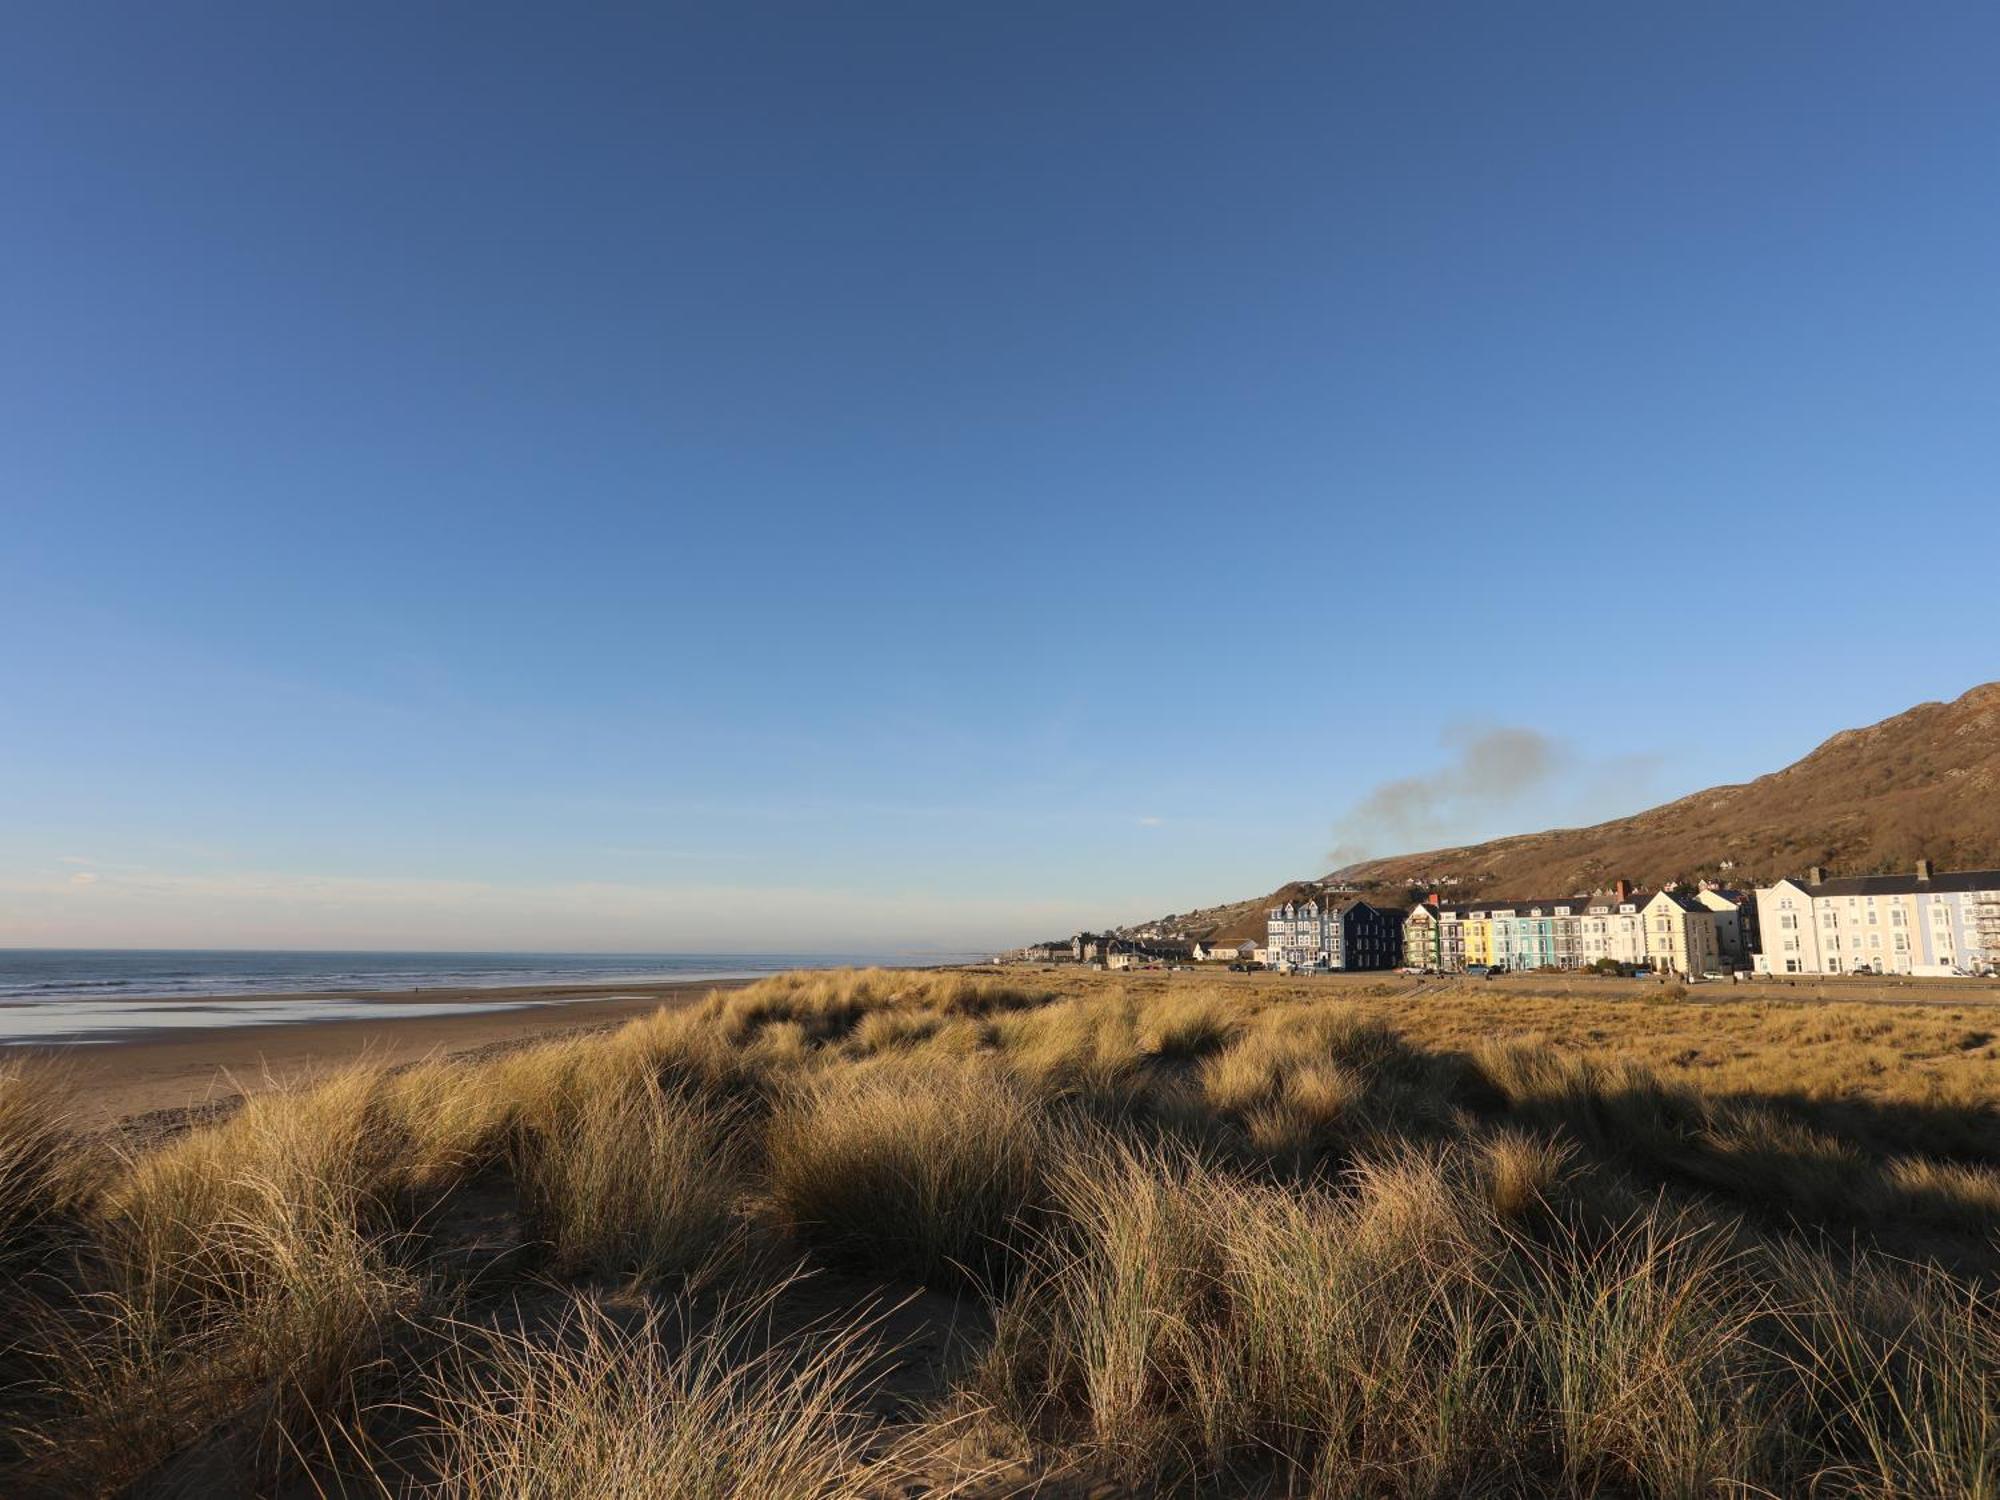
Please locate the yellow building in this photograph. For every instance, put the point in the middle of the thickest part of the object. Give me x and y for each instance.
(1477, 930)
(1680, 934)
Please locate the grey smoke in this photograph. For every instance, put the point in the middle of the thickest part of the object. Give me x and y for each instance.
(1488, 769)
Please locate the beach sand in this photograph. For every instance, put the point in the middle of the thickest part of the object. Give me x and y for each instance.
(176, 1070)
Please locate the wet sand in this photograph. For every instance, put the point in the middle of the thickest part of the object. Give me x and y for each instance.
(160, 1070)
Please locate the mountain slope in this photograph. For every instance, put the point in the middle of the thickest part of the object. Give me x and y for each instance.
(1925, 783)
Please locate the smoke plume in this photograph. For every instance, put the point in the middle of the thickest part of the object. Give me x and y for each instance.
(1488, 769)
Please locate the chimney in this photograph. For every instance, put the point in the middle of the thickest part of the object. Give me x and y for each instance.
(1923, 869)
(1431, 899)
(1622, 890)
(1816, 875)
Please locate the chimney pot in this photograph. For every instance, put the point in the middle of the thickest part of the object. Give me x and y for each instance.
(1923, 869)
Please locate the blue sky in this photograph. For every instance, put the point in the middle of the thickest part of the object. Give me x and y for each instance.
(790, 476)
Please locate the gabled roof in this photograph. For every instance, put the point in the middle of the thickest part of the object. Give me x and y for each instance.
(1679, 898)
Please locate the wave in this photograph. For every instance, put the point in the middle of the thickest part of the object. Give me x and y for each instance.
(28, 977)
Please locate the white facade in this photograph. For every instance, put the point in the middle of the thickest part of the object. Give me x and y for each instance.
(1894, 924)
(1337, 934)
(1611, 927)
(1303, 935)
(1785, 917)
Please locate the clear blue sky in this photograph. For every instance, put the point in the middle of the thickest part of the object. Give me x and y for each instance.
(769, 476)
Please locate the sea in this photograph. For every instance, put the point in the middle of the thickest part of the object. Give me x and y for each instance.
(86, 995)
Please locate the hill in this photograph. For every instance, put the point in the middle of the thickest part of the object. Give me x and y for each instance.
(1925, 783)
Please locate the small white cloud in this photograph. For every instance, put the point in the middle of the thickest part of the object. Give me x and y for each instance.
(1151, 822)
(83, 877)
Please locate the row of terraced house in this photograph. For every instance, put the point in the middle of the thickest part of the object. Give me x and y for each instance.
(1934, 922)
(1672, 931)
(1679, 932)
(1922, 923)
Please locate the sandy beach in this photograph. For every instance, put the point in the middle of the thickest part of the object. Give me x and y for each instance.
(166, 1069)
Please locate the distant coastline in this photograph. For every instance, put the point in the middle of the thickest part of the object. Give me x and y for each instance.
(93, 997)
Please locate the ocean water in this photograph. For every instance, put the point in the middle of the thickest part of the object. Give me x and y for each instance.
(98, 995)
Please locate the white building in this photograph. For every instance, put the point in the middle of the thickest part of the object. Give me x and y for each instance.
(1924, 923)
(1612, 927)
(1233, 953)
(1311, 935)
(1302, 935)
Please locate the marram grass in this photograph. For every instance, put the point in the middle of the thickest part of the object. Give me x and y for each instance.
(886, 1233)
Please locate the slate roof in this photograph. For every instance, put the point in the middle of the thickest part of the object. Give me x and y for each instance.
(1950, 881)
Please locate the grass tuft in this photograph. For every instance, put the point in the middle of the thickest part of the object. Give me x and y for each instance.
(928, 1169)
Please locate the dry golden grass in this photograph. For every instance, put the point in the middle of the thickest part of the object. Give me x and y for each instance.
(1361, 1238)
(656, 1405)
(925, 1170)
(48, 1172)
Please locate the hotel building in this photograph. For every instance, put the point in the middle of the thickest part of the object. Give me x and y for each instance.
(1925, 923)
(1308, 936)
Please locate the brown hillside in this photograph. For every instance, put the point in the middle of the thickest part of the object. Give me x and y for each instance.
(1925, 783)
